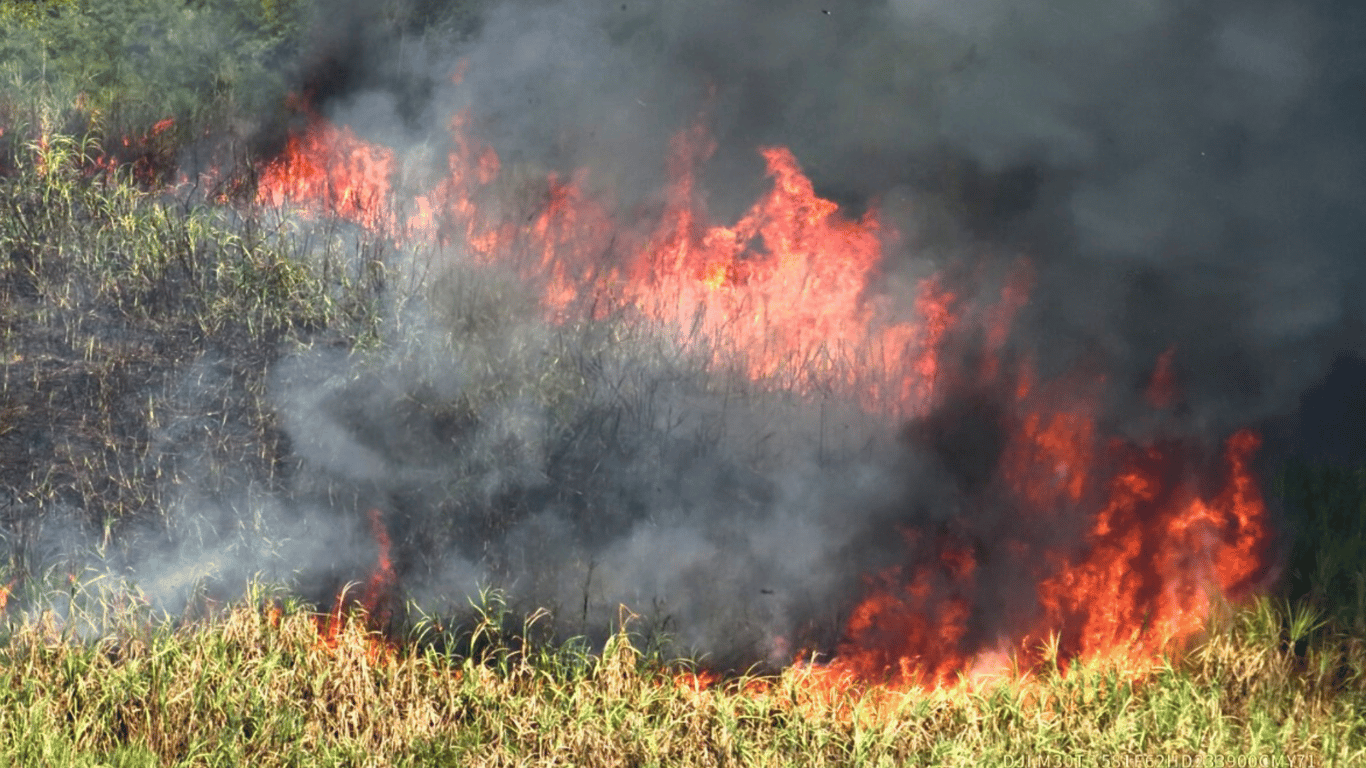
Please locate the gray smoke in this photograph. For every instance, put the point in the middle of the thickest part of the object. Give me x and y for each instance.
(1180, 173)
(583, 467)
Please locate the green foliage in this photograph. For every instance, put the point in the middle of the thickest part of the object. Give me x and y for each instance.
(120, 66)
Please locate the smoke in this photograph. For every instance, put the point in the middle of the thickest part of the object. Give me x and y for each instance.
(582, 468)
(1179, 174)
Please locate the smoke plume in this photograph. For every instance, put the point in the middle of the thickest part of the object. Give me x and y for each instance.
(1180, 175)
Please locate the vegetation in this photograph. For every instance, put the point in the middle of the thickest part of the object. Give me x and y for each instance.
(254, 683)
(112, 290)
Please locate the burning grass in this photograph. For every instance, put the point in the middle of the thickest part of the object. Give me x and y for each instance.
(136, 323)
(797, 298)
(91, 676)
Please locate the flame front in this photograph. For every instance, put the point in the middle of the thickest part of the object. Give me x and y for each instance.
(792, 295)
(785, 294)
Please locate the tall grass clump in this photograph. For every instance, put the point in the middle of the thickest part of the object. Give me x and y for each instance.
(117, 68)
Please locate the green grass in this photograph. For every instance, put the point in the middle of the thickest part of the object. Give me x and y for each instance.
(112, 291)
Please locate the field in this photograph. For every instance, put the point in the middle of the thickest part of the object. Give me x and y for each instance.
(148, 324)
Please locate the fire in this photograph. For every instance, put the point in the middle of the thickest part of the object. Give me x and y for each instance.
(378, 594)
(375, 599)
(785, 294)
(1153, 558)
(148, 156)
(1157, 554)
(330, 170)
(1124, 548)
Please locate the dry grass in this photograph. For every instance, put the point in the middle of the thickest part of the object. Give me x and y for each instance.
(254, 684)
(109, 292)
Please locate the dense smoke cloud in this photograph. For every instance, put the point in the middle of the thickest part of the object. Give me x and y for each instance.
(1184, 174)
(1180, 173)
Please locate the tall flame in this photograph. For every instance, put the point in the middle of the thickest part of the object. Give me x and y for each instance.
(790, 295)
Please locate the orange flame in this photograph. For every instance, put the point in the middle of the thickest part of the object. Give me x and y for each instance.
(147, 156)
(785, 294)
(1155, 555)
(375, 599)
(792, 296)
(331, 170)
(378, 594)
